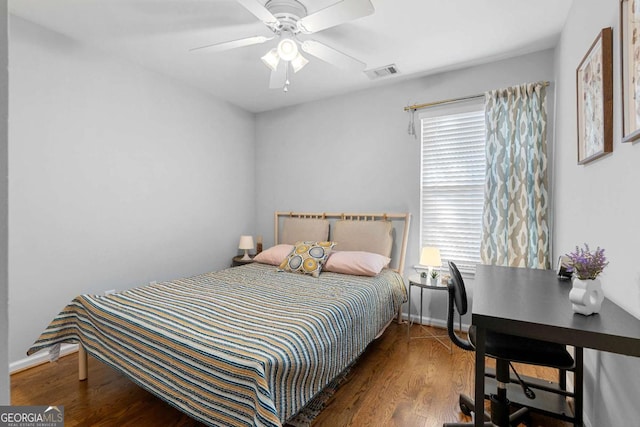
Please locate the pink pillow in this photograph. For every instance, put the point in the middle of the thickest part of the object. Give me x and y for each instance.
(357, 263)
(274, 255)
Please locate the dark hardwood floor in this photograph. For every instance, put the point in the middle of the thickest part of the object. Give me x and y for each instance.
(396, 382)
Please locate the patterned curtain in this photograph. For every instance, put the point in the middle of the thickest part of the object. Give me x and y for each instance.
(515, 217)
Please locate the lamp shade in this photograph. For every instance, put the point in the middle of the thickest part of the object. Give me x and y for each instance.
(298, 62)
(430, 256)
(246, 242)
(287, 49)
(271, 59)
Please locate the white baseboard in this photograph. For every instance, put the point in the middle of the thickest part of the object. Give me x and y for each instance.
(428, 321)
(39, 358)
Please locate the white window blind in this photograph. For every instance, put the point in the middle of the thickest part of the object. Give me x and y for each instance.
(452, 174)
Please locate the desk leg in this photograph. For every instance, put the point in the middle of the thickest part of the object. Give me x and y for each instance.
(409, 314)
(421, 299)
(479, 385)
(577, 387)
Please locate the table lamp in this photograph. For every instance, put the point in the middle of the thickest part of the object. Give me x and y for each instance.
(430, 257)
(246, 243)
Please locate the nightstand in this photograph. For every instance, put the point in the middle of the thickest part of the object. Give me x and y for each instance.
(416, 280)
(237, 261)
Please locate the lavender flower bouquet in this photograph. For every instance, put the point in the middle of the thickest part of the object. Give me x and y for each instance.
(586, 264)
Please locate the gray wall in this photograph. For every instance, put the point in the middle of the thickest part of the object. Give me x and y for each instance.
(119, 176)
(598, 203)
(4, 284)
(353, 153)
(117, 213)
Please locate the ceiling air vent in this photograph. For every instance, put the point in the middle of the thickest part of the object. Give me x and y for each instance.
(387, 70)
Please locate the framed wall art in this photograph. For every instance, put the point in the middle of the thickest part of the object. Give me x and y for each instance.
(594, 83)
(630, 67)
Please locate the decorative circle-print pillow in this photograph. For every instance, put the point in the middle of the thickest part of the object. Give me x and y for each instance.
(307, 258)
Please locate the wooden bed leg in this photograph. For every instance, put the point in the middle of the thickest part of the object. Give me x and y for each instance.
(82, 363)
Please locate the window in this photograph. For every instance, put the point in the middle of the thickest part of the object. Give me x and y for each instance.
(452, 182)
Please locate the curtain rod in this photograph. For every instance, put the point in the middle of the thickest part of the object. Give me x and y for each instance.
(448, 101)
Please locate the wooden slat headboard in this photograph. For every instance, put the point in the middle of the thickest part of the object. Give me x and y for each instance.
(401, 219)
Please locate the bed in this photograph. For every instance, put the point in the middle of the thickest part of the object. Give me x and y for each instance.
(244, 346)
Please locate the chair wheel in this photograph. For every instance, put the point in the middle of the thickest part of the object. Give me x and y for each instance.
(526, 420)
(465, 409)
(466, 405)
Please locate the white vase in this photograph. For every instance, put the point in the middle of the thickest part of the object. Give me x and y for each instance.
(586, 296)
(434, 281)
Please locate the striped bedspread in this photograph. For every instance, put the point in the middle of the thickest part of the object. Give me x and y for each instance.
(245, 346)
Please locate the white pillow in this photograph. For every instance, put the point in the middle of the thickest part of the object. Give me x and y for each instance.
(357, 263)
(274, 255)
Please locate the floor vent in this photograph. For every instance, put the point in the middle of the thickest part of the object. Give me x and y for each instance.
(387, 70)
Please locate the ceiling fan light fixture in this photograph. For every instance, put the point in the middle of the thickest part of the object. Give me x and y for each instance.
(286, 19)
(298, 63)
(271, 59)
(287, 49)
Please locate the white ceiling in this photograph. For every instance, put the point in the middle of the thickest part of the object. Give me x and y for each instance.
(419, 36)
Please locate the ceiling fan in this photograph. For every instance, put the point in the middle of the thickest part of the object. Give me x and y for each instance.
(287, 20)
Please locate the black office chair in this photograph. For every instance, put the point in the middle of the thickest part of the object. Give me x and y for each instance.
(505, 349)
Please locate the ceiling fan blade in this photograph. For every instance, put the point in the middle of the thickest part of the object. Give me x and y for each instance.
(258, 9)
(279, 76)
(336, 14)
(332, 56)
(219, 47)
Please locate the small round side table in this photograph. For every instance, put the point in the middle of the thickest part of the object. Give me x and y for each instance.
(425, 283)
(237, 261)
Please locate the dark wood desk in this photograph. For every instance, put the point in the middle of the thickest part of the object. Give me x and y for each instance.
(535, 303)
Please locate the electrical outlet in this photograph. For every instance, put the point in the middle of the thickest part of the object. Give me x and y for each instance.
(110, 291)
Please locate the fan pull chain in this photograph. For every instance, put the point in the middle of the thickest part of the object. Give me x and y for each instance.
(286, 74)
